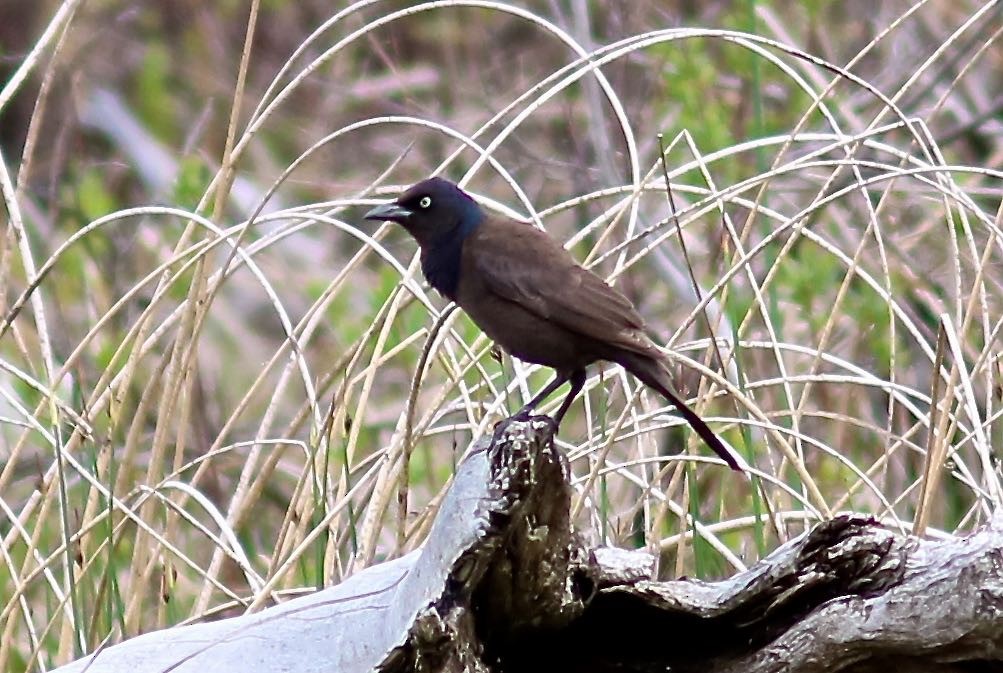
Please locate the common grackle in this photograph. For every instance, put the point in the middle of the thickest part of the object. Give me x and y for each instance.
(530, 296)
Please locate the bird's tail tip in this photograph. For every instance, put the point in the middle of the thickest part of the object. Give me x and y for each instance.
(653, 374)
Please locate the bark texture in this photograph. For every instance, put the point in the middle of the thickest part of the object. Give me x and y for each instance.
(505, 584)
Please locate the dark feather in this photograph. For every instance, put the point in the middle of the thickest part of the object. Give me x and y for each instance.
(526, 266)
(530, 295)
(441, 265)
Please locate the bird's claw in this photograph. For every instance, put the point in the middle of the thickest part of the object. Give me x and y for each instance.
(524, 416)
(500, 427)
(551, 422)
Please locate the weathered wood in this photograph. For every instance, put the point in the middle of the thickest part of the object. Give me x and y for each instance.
(503, 583)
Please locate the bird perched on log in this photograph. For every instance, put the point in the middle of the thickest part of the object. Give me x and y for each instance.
(530, 296)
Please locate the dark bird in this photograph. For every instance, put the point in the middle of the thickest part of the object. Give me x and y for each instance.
(530, 295)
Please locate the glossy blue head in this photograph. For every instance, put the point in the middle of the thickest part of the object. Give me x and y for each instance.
(439, 215)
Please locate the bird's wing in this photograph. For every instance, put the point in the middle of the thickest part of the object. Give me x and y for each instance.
(524, 265)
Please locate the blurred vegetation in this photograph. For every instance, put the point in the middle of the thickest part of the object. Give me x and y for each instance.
(187, 431)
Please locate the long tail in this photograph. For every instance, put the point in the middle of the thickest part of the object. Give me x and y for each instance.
(653, 374)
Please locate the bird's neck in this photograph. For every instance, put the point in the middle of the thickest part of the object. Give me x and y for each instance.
(441, 257)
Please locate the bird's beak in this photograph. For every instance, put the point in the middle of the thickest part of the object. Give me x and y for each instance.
(388, 211)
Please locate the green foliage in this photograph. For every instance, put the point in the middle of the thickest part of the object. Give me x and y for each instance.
(693, 86)
(807, 269)
(155, 93)
(93, 198)
(193, 179)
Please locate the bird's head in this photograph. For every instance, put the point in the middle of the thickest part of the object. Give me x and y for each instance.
(433, 211)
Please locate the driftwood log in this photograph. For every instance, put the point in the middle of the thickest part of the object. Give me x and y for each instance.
(505, 584)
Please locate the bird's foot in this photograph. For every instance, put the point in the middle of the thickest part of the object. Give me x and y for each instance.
(524, 416)
(500, 428)
(553, 423)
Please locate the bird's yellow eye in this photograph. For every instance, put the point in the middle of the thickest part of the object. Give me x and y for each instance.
(425, 202)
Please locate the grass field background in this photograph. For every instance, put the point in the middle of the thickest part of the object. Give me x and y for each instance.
(208, 359)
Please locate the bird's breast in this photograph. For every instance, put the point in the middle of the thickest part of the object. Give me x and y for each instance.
(440, 265)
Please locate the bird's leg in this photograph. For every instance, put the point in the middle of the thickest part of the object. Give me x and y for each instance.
(558, 381)
(577, 380)
(524, 413)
